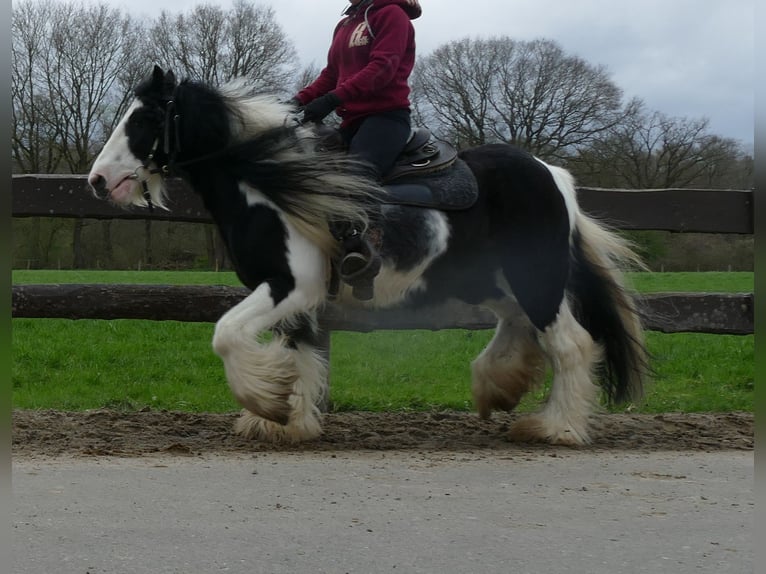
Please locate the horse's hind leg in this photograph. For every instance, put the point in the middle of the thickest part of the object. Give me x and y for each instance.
(566, 416)
(510, 366)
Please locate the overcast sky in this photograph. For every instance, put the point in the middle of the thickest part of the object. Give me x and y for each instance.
(685, 58)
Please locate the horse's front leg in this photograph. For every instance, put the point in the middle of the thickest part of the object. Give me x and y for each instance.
(278, 381)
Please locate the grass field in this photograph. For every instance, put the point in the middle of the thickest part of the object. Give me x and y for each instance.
(130, 365)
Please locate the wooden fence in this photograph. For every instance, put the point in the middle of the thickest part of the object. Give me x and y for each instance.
(678, 210)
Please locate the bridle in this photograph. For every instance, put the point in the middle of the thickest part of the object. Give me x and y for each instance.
(143, 172)
(169, 135)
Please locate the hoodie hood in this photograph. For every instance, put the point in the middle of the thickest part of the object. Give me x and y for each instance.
(410, 7)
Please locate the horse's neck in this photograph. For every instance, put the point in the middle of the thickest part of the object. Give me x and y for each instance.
(220, 193)
(203, 122)
(248, 230)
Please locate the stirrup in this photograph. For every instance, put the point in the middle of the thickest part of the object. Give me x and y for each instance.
(356, 266)
(353, 266)
(359, 272)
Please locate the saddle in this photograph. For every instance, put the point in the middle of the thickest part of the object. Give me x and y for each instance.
(421, 155)
(427, 173)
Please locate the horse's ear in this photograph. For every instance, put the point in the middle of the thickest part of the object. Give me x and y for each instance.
(157, 75)
(170, 79)
(157, 83)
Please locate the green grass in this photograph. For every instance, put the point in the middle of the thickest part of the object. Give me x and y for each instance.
(45, 276)
(724, 282)
(707, 282)
(116, 364)
(130, 365)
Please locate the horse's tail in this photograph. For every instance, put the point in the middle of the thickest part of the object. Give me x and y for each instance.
(602, 303)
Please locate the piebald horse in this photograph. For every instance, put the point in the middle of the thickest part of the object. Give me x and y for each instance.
(551, 274)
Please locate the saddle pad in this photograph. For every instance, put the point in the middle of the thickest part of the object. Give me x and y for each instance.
(451, 189)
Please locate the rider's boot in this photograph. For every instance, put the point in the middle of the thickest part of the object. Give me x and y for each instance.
(360, 265)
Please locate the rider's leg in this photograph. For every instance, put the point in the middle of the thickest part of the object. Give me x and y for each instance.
(378, 140)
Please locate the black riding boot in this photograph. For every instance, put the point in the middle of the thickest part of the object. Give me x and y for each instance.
(360, 265)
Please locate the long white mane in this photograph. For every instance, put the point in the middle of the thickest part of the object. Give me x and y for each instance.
(313, 187)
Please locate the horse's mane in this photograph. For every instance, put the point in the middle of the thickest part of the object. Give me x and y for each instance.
(254, 138)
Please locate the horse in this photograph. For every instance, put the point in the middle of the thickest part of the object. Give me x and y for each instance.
(552, 275)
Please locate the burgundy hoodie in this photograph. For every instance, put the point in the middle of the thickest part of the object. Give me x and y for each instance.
(369, 61)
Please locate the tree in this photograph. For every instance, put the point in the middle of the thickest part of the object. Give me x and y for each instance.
(71, 62)
(34, 140)
(650, 149)
(307, 75)
(528, 93)
(453, 88)
(215, 45)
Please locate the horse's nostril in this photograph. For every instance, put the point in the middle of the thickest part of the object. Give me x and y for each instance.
(98, 183)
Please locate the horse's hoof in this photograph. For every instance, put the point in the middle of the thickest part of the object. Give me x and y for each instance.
(535, 429)
(253, 427)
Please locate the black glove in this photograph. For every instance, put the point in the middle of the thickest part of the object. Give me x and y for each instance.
(318, 109)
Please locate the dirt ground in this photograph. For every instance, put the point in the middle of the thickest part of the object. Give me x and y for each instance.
(112, 433)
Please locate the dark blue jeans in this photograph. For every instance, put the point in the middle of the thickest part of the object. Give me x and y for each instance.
(379, 139)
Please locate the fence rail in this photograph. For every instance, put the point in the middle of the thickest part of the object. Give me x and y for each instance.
(679, 210)
(722, 313)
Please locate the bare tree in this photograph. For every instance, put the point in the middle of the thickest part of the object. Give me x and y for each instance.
(528, 93)
(215, 45)
(650, 149)
(35, 140)
(453, 88)
(90, 47)
(69, 70)
(307, 75)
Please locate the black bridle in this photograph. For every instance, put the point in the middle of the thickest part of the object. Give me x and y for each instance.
(171, 146)
(169, 134)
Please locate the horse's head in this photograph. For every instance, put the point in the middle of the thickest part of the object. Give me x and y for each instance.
(128, 171)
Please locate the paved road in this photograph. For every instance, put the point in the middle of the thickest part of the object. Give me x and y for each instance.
(561, 512)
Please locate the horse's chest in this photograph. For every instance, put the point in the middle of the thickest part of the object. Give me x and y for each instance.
(256, 239)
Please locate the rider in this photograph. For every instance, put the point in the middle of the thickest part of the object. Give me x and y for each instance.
(366, 83)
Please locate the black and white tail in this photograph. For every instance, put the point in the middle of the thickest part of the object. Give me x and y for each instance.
(606, 309)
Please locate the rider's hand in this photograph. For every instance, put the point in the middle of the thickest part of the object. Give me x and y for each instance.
(318, 109)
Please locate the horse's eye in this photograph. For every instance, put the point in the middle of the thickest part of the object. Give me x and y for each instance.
(137, 120)
(144, 117)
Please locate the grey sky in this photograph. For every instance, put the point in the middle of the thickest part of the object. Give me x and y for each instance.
(692, 58)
